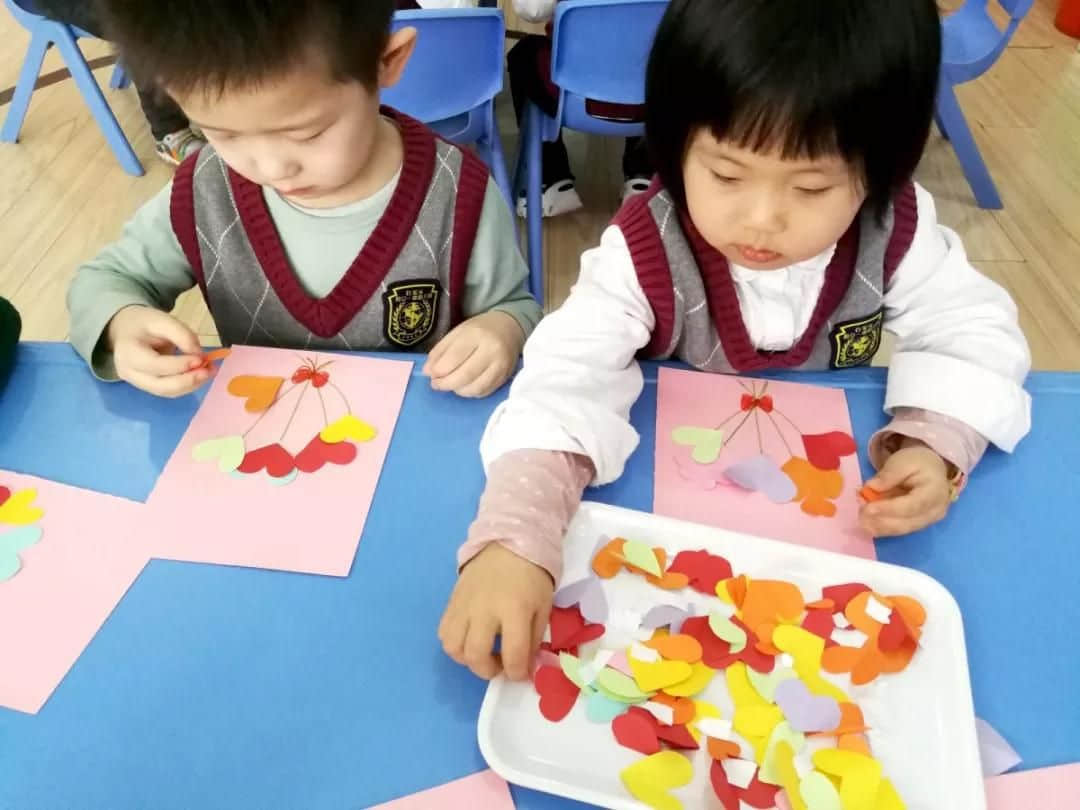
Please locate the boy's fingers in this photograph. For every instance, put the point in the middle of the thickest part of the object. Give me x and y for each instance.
(163, 325)
(176, 385)
(452, 357)
(478, 647)
(143, 359)
(463, 375)
(483, 385)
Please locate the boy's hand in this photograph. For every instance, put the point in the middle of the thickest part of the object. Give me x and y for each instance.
(144, 341)
(916, 492)
(498, 593)
(476, 357)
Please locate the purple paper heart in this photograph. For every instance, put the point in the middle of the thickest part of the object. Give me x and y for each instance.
(804, 711)
(762, 474)
(668, 616)
(588, 595)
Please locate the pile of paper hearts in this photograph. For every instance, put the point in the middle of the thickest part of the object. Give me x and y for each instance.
(18, 516)
(813, 481)
(793, 732)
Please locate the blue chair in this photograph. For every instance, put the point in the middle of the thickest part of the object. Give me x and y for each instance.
(971, 45)
(453, 77)
(44, 33)
(600, 49)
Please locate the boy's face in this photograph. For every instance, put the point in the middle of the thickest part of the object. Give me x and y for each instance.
(313, 139)
(763, 212)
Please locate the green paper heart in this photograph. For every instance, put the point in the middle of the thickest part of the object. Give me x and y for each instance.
(619, 687)
(11, 543)
(228, 450)
(601, 709)
(782, 733)
(726, 630)
(641, 556)
(571, 667)
(766, 684)
(819, 793)
(707, 443)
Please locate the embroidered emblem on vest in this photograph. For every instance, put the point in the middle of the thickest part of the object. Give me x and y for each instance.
(856, 342)
(410, 308)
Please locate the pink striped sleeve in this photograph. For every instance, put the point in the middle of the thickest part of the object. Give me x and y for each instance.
(949, 438)
(530, 497)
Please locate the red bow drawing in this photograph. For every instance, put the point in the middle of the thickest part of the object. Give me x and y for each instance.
(750, 402)
(305, 373)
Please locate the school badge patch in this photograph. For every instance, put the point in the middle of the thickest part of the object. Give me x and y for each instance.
(411, 309)
(855, 343)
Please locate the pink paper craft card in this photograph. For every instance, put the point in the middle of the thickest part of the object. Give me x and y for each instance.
(773, 459)
(279, 466)
(1055, 788)
(67, 556)
(481, 791)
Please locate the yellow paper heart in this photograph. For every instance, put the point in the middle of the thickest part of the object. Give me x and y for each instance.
(756, 722)
(806, 649)
(695, 684)
(348, 427)
(888, 798)
(860, 776)
(17, 511)
(652, 676)
(702, 710)
(783, 734)
(819, 793)
(742, 690)
(789, 776)
(650, 779)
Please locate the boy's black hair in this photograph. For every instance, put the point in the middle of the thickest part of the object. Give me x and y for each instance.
(810, 77)
(216, 44)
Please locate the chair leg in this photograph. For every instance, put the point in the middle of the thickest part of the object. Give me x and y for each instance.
(491, 150)
(533, 202)
(88, 86)
(120, 79)
(967, 152)
(24, 88)
(941, 126)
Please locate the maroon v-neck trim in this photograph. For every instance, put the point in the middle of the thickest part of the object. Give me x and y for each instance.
(727, 314)
(327, 316)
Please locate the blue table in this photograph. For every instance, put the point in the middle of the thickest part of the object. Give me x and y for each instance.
(214, 687)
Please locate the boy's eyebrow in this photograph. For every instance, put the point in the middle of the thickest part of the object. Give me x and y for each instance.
(305, 125)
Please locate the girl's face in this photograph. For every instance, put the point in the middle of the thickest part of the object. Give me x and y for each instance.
(763, 212)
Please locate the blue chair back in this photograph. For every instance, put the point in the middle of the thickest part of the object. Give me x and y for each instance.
(600, 50)
(457, 65)
(972, 39)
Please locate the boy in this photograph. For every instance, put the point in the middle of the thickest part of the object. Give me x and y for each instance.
(312, 220)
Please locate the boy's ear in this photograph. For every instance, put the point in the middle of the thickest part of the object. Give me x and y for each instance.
(396, 55)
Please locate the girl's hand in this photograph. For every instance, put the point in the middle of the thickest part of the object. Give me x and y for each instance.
(498, 593)
(916, 492)
(144, 343)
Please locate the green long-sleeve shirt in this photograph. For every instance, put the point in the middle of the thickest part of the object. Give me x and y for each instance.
(146, 265)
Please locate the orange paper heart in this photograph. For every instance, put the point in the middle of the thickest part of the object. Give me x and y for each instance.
(260, 392)
(722, 749)
(816, 489)
(677, 648)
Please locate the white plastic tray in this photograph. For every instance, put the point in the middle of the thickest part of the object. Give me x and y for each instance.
(922, 720)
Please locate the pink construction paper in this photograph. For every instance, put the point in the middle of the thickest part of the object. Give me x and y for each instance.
(706, 400)
(1055, 788)
(90, 553)
(311, 525)
(482, 791)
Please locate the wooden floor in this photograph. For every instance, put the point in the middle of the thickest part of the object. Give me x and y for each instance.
(62, 194)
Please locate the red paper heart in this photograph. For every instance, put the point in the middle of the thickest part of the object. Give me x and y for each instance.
(759, 795)
(558, 694)
(894, 634)
(275, 459)
(820, 623)
(716, 653)
(842, 594)
(636, 730)
(677, 737)
(5, 493)
(703, 569)
(824, 450)
(317, 453)
(569, 630)
(722, 787)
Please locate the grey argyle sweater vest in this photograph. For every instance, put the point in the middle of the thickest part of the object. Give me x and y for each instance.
(404, 289)
(698, 317)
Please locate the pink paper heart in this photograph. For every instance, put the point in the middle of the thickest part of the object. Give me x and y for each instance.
(804, 711)
(824, 450)
(762, 474)
(705, 476)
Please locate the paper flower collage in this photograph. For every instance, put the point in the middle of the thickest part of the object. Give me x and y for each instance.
(19, 529)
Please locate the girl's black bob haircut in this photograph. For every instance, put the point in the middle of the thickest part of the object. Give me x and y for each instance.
(807, 77)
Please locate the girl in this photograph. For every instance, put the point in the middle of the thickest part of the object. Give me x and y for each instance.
(783, 231)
